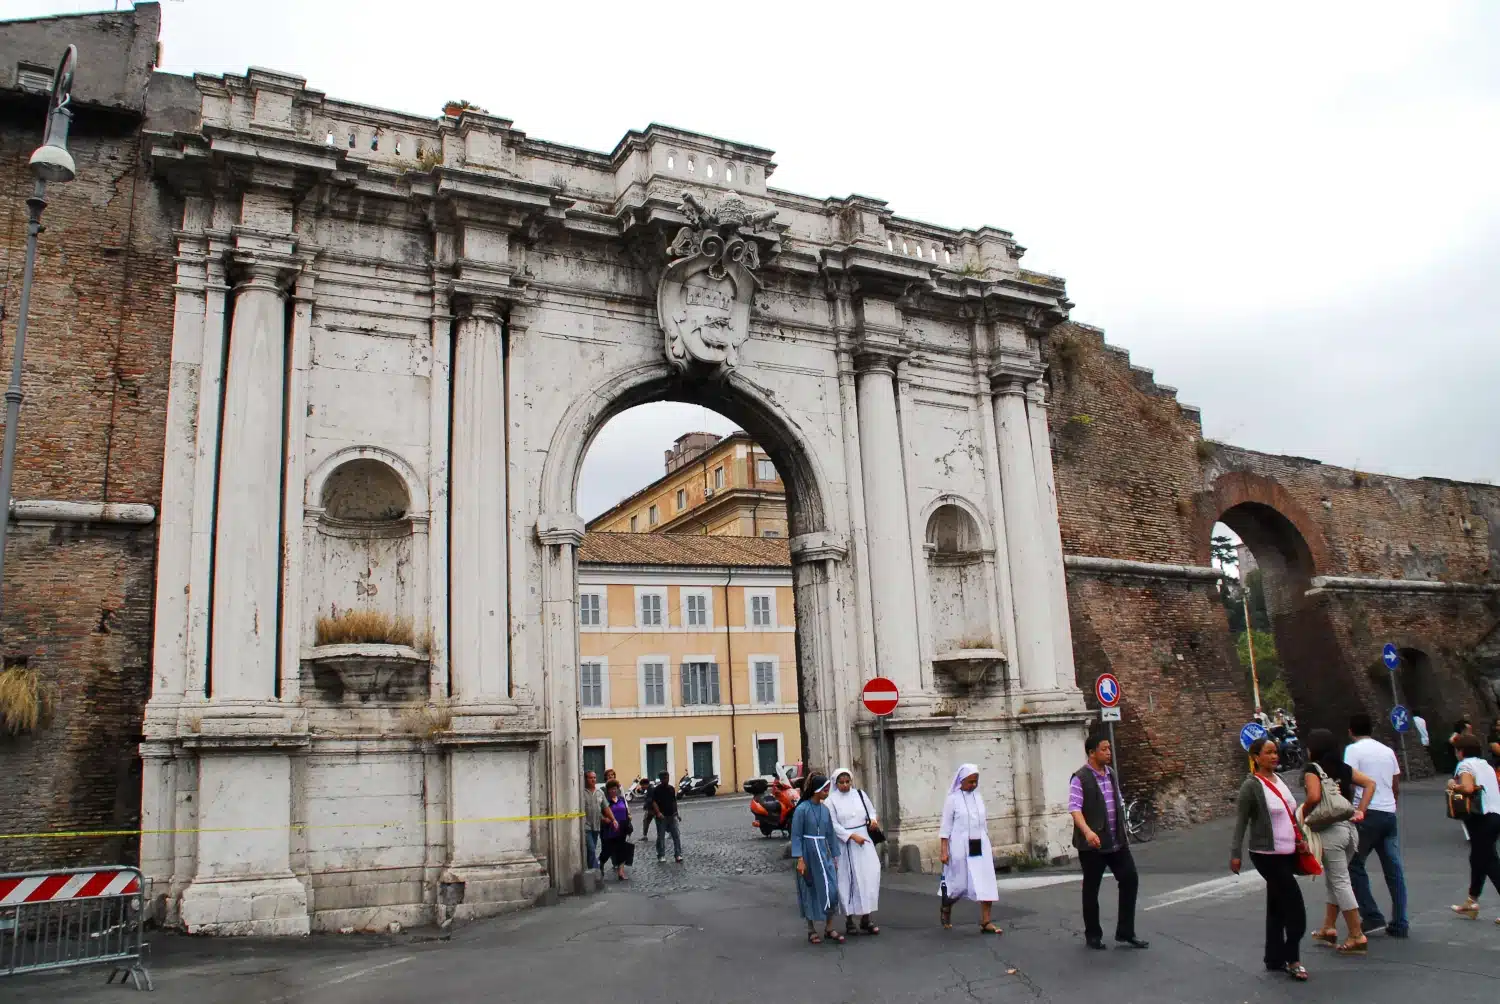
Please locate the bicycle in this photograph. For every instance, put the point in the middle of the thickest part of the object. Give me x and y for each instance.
(1140, 820)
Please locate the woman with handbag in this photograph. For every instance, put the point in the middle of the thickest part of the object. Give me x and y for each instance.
(614, 839)
(964, 846)
(1279, 851)
(858, 832)
(1474, 797)
(1330, 813)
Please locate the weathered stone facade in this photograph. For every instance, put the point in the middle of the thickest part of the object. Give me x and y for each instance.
(82, 545)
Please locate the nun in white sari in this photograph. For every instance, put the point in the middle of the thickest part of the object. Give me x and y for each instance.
(968, 860)
(859, 863)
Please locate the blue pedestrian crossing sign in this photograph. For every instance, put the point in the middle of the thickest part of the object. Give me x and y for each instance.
(1390, 656)
(1400, 718)
(1251, 732)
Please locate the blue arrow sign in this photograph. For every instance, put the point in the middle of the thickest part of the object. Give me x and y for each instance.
(1400, 718)
(1251, 732)
(1390, 656)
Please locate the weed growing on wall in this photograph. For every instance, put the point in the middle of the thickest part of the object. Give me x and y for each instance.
(365, 627)
(25, 702)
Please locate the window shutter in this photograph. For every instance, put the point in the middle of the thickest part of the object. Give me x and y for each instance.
(713, 683)
(686, 670)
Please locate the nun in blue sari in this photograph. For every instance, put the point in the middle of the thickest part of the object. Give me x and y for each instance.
(816, 850)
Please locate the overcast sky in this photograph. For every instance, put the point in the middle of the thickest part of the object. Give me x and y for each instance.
(1289, 211)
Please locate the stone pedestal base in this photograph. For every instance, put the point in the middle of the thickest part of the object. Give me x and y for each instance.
(498, 888)
(258, 906)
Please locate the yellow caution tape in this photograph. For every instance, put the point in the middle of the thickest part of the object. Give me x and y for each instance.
(59, 834)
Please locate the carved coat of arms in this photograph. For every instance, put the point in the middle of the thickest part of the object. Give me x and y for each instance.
(705, 294)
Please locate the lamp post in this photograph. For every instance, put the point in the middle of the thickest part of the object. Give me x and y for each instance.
(50, 162)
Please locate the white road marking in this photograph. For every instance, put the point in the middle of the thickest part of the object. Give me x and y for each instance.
(366, 972)
(1222, 888)
(1037, 881)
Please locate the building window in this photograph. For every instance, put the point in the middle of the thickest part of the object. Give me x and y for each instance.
(653, 684)
(760, 610)
(595, 760)
(765, 680)
(770, 533)
(718, 478)
(635, 522)
(591, 684)
(656, 759)
(651, 610)
(700, 683)
(767, 754)
(653, 516)
(681, 499)
(765, 470)
(588, 610)
(696, 605)
(703, 759)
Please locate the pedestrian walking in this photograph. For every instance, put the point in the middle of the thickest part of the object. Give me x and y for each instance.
(615, 842)
(1476, 778)
(854, 825)
(1331, 812)
(816, 850)
(1462, 727)
(593, 809)
(968, 860)
(1377, 831)
(1265, 808)
(661, 806)
(1100, 836)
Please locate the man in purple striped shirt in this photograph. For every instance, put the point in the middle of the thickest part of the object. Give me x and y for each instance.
(1098, 812)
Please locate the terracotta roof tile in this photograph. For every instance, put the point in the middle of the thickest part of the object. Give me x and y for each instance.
(684, 549)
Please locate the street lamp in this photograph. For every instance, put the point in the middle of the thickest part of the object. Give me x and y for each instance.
(50, 162)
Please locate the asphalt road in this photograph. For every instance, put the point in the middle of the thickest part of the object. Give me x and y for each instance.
(722, 927)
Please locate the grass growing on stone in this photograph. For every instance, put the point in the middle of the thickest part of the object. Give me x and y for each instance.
(365, 626)
(24, 701)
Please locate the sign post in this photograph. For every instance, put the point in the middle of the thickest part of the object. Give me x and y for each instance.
(1107, 690)
(880, 697)
(1391, 656)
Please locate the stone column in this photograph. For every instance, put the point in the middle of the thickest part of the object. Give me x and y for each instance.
(1051, 537)
(1024, 531)
(478, 565)
(243, 882)
(247, 533)
(887, 525)
(560, 534)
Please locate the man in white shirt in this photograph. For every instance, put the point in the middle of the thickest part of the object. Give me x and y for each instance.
(1378, 830)
(1421, 724)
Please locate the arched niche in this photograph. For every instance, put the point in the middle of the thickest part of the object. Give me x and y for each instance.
(961, 592)
(364, 578)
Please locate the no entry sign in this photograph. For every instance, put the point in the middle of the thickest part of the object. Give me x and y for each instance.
(881, 696)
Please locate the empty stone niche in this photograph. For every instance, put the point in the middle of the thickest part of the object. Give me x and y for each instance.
(961, 585)
(362, 577)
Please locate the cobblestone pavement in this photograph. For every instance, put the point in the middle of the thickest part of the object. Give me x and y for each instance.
(718, 843)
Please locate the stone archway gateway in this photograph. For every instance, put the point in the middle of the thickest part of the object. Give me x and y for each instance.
(366, 708)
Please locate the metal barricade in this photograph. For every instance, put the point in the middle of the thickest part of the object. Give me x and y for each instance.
(74, 917)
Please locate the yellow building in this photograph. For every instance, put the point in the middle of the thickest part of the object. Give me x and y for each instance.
(687, 655)
(713, 485)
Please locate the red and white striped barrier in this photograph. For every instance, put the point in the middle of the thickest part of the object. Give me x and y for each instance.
(68, 885)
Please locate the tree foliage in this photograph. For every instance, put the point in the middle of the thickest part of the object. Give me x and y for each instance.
(1274, 692)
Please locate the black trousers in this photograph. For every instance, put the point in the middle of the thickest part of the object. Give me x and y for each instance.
(1484, 857)
(1286, 915)
(1123, 866)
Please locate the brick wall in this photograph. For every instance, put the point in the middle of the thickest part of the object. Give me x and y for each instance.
(1136, 481)
(78, 598)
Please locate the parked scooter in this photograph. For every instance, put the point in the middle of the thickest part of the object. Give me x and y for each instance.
(639, 790)
(690, 786)
(772, 810)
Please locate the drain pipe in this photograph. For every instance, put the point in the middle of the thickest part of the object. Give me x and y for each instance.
(734, 732)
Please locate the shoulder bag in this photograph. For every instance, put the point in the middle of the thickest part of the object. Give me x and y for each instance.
(1332, 808)
(877, 835)
(1465, 806)
(1307, 861)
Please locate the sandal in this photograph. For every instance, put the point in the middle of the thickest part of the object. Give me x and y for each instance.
(947, 916)
(1297, 971)
(813, 939)
(1469, 909)
(833, 937)
(1352, 947)
(1327, 936)
(849, 928)
(868, 927)
(989, 928)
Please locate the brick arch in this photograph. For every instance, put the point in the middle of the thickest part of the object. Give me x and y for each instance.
(1237, 488)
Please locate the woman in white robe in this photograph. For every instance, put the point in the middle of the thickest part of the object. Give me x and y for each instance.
(968, 859)
(859, 865)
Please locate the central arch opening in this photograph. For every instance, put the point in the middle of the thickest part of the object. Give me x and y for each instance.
(690, 640)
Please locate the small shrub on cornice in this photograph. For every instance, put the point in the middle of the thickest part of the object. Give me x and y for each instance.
(1204, 449)
(1360, 479)
(429, 158)
(428, 720)
(25, 701)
